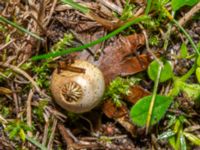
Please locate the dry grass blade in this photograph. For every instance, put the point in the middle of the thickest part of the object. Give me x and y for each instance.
(2, 19)
(23, 73)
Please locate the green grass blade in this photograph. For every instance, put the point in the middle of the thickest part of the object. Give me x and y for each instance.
(2, 19)
(187, 35)
(70, 50)
(77, 6)
(36, 143)
(182, 29)
(148, 7)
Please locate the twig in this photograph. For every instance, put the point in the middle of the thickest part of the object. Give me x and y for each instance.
(56, 113)
(20, 71)
(65, 135)
(148, 48)
(71, 143)
(89, 122)
(51, 13)
(28, 111)
(167, 35)
(188, 15)
(112, 6)
(139, 12)
(2, 120)
(45, 135)
(52, 133)
(15, 98)
(182, 29)
(7, 44)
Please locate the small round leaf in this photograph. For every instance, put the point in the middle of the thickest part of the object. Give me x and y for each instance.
(166, 72)
(198, 74)
(198, 61)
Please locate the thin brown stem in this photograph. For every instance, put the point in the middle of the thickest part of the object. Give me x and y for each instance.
(188, 15)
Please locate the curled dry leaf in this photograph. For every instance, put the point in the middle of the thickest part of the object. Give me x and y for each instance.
(119, 114)
(116, 60)
(111, 111)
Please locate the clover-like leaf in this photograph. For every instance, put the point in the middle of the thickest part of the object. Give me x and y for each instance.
(198, 61)
(166, 72)
(184, 50)
(140, 110)
(177, 4)
(198, 74)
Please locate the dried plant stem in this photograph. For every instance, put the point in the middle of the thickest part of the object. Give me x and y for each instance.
(112, 6)
(50, 143)
(51, 13)
(148, 48)
(7, 44)
(66, 136)
(183, 30)
(15, 98)
(188, 15)
(20, 71)
(29, 110)
(2, 120)
(45, 134)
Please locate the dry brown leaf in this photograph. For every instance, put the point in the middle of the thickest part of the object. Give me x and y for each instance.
(115, 59)
(136, 93)
(111, 111)
(119, 114)
(4, 91)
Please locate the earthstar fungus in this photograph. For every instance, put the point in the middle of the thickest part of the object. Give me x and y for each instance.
(78, 92)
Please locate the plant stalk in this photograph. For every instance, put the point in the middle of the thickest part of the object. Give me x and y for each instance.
(155, 88)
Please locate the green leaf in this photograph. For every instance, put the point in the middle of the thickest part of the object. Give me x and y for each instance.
(198, 74)
(184, 50)
(198, 61)
(172, 120)
(172, 142)
(127, 11)
(118, 88)
(166, 72)
(183, 142)
(148, 7)
(13, 132)
(194, 139)
(191, 90)
(22, 135)
(177, 126)
(177, 4)
(36, 143)
(166, 135)
(140, 110)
